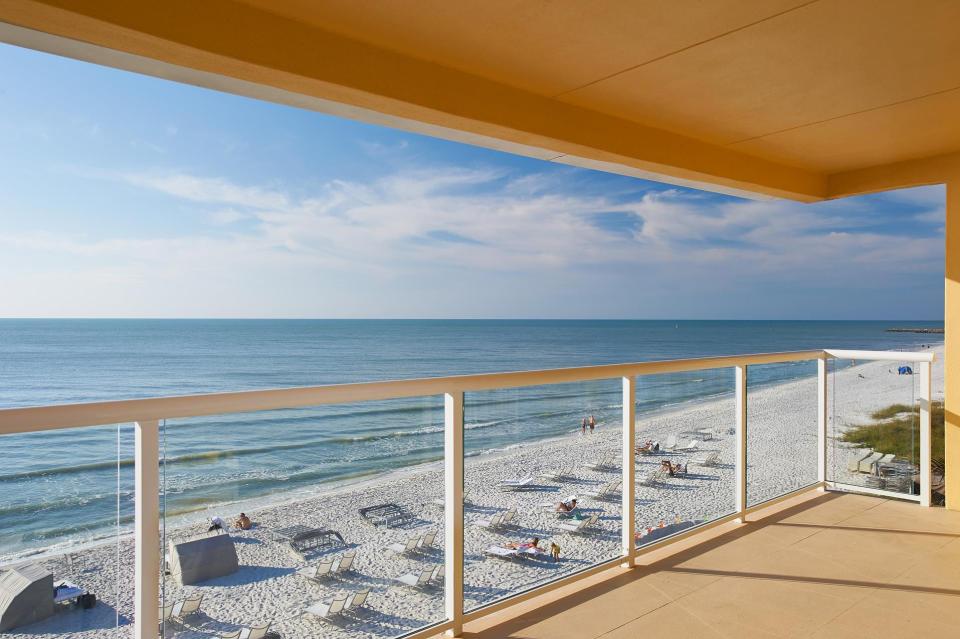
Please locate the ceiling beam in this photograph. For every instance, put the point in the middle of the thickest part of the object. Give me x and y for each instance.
(233, 47)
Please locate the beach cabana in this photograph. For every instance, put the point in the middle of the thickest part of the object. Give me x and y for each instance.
(203, 558)
(26, 596)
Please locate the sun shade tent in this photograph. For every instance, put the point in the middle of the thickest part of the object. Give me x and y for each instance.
(203, 558)
(26, 596)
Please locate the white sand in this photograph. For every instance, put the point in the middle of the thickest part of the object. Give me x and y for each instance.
(782, 457)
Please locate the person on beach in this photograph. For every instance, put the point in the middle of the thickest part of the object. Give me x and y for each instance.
(554, 551)
(567, 506)
(215, 524)
(583, 426)
(243, 522)
(593, 424)
(531, 546)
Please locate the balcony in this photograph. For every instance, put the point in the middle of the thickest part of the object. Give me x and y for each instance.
(445, 541)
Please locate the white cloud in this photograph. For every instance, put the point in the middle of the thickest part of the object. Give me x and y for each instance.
(447, 241)
(210, 190)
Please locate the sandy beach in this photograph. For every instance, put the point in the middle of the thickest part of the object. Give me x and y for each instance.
(781, 457)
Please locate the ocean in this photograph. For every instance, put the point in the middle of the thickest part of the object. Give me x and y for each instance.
(63, 488)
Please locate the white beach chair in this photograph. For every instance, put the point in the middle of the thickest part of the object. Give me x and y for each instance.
(579, 526)
(867, 464)
(408, 547)
(602, 464)
(165, 611)
(692, 446)
(230, 635)
(604, 492)
(670, 444)
(437, 574)
(357, 599)
(491, 522)
(508, 517)
(516, 484)
(258, 631)
(651, 478)
(345, 562)
(416, 581)
(328, 610)
(501, 552)
(187, 607)
(427, 540)
(706, 459)
(318, 571)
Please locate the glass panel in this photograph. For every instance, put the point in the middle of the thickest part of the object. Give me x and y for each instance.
(781, 429)
(874, 426)
(685, 446)
(528, 451)
(66, 507)
(270, 516)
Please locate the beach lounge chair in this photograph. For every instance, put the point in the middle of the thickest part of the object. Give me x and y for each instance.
(328, 610)
(604, 492)
(427, 540)
(867, 464)
(501, 552)
(854, 464)
(344, 563)
(416, 581)
(437, 574)
(187, 607)
(606, 463)
(579, 526)
(406, 548)
(516, 484)
(320, 570)
(706, 459)
(258, 631)
(671, 443)
(692, 446)
(651, 478)
(231, 635)
(165, 611)
(357, 599)
(491, 522)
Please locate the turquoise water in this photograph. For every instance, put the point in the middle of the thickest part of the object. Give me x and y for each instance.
(62, 486)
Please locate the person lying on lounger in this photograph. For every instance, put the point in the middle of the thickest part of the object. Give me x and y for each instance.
(649, 446)
(567, 506)
(673, 469)
(528, 546)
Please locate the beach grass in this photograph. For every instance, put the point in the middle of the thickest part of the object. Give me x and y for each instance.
(896, 429)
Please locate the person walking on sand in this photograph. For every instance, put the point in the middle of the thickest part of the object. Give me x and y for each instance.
(583, 426)
(593, 424)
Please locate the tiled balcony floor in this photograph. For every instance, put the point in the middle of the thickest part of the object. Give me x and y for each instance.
(832, 565)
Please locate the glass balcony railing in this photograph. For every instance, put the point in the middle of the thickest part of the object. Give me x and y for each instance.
(410, 507)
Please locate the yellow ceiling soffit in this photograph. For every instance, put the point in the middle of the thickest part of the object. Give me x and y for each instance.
(231, 47)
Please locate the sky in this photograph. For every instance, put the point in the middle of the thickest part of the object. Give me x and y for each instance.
(128, 196)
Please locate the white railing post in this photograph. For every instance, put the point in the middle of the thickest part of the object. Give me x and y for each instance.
(925, 438)
(628, 487)
(146, 587)
(740, 391)
(453, 510)
(822, 403)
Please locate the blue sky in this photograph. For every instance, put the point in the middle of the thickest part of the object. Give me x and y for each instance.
(129, 196)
